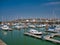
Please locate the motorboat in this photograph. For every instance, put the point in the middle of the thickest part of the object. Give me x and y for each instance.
(32, 26)
(5, 27)
(57, 28)
(39, 26)
(33, 31)
(20, 26)
(51, 29)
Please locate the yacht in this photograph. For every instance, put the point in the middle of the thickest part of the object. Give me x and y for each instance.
(39, 26)
(5, 27)
(57, 28)
(33, 31)
(50, 28)
(31, 26)
(20, 26)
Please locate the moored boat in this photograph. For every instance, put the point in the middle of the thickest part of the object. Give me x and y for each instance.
(33, 31)
(5, 27)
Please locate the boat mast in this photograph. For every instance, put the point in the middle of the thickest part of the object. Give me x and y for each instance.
(2, 20)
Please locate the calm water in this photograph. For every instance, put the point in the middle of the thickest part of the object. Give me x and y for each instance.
(16, 37)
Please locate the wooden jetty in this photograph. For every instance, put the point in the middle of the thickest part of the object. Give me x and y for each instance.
(2, 43)
(47, 37)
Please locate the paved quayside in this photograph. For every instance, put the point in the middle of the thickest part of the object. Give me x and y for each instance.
(2, 43)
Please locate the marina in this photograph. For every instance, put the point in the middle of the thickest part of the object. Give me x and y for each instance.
(19, 30)
(29, 22)
(14, 32)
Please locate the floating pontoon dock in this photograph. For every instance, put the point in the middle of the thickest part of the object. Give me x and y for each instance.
(56, 34)
(53, 40)
(30, 34)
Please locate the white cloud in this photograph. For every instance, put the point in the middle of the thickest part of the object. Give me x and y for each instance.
(51, 3)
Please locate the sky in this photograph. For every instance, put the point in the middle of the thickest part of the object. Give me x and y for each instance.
(16, 9)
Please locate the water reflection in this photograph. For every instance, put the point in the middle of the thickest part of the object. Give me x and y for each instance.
(4, 32)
